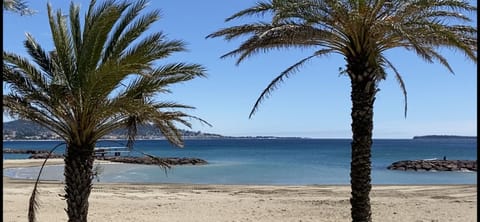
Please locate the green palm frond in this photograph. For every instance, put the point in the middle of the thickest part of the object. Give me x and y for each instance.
(18, 6)
(132, 30)
(258, 10)
(75, 29)
(279, 37)
(23, 107)
(131, 13)
(63, 46)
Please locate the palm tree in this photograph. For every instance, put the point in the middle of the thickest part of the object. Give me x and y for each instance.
(100, 77)
(17, 6)
(361, 31)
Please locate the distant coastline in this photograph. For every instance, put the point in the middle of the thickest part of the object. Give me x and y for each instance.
(119, 138)
(443, 137)
(163, 138)
(24, 130)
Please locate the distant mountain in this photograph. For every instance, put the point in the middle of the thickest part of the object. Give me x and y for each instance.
(24, 129)
(443, 137)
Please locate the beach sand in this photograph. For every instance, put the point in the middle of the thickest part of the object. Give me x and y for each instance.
(202, 203)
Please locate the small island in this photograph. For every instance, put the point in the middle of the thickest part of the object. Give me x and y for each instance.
(443, 137)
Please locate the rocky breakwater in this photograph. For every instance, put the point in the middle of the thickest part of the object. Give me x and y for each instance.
(434, 165)
(135, 160)
(23, 151)
(45, 155)
(152, 161)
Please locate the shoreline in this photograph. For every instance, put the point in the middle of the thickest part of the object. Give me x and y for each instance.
(16, 163)
(264, 203)
(25, 163)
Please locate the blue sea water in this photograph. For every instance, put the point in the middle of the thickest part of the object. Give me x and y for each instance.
(269, 161)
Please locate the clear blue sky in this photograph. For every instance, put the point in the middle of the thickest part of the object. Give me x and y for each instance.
(315, 102)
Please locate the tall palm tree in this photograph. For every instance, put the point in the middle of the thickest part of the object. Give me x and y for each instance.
(361, 31)
(103, 74)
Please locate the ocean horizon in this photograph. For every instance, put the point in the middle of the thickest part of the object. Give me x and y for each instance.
(279, 161)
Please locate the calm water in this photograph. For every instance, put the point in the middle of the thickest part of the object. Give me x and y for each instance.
(270, 161)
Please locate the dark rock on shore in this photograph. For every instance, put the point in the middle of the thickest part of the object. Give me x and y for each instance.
(434, 165)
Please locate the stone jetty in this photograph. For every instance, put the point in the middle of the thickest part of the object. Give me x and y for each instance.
(434, 165)
(23, 151)
(151, 161)
(135, 160)
(42, 154)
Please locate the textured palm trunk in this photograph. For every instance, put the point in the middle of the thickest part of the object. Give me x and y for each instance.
(363, 97)
(78, 181)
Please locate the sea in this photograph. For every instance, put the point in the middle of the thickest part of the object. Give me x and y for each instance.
(278, 161)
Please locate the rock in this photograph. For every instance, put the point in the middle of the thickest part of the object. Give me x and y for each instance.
(426, 166)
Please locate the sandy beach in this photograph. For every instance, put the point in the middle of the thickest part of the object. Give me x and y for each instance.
(202, 203)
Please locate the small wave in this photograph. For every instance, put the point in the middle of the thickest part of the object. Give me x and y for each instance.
(466, 170)
(431, 159)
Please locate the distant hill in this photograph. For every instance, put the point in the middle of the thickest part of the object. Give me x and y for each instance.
(24, 129)
(443, 137)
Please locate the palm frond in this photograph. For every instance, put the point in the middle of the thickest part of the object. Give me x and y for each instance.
(400, 82)
(134, 61)
(131, 32)
(280, 37)
(280, 78)
(63, 45)
(169, 131)
(75, 29)
(159, 161)
(40, 56)
(26, 109)
(175, 73)
(152, 47)
(96, 31)
(18, 6)
(115, 34)
(23, 75)
(238, 31)
(260, 9)
(33, 204)
(171, 105)
(132, 122)
(162, 77)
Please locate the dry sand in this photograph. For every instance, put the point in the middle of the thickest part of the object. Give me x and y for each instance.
(202, 203)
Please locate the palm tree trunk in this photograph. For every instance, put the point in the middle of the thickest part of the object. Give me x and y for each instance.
(363, 97)
(78, 181)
